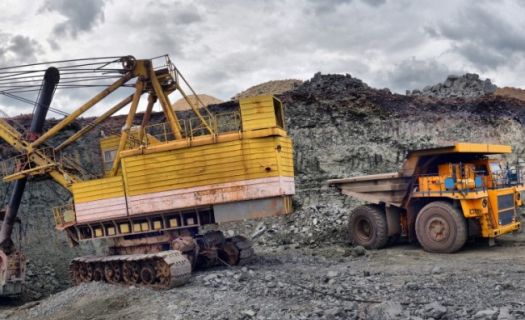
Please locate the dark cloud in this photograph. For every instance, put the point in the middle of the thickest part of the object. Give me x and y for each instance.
(170, 13)
(486, 39)
(18, 49)
(326, 6)
(24, 48)
(416, 74)
(374, 3)
(187, 16)
(81, 16)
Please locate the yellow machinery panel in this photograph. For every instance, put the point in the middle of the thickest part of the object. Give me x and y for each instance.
(161, 174)
(261, 112)
(109, 146)
(208, 164)
(98, 189)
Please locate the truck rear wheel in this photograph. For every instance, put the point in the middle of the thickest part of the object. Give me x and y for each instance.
(441, 228)
(367, 227)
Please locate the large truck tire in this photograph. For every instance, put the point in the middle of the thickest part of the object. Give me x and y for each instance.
(441, 228)
(367, 227)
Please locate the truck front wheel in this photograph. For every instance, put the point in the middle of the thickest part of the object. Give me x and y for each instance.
(441, 228)
(367, 227)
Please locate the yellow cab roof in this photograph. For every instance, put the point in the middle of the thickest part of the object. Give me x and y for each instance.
(462, 147)
(413, 157)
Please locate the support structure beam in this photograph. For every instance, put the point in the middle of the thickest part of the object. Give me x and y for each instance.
(195, 109)
(166, 106)
(147, 115)
(139, 86)
(66, 121)
(95, 123)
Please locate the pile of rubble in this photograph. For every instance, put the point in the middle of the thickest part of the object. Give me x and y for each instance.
(199, 100)
(274, 87)
(468, 85)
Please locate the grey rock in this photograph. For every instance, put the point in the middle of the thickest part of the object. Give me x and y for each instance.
(435, 310)
(488, 314)
(504, 314)
(468, 85)
(249, 313)
(386, 310)
(436, 270)
(358, 251)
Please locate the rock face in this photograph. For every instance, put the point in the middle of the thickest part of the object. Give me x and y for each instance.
(340, 127)
(468, 85)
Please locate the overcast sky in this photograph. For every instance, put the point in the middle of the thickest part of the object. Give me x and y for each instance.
(224, 47)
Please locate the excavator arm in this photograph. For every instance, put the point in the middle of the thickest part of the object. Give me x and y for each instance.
(13, 137)
(38, 159)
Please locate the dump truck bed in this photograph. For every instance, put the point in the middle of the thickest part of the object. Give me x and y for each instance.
(388, 188)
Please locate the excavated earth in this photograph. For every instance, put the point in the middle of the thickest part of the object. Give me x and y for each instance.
(305, 270)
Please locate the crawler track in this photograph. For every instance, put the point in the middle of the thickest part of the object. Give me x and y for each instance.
(161, 270)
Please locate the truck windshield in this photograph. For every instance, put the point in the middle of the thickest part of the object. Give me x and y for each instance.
(495, 168)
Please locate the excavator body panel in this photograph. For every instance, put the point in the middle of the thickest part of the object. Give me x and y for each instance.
(240, 173)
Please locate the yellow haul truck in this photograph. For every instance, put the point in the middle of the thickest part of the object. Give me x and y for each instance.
(441, 196)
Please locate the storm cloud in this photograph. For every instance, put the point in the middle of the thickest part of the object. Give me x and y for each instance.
(482, 36)
(17, 49)
(224, 47)
(80, 16)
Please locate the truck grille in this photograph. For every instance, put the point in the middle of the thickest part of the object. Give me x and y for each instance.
(506, 208)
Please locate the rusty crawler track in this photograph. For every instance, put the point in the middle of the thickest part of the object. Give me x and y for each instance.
(162, 270)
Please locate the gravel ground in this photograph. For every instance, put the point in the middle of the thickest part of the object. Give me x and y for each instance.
(333, 282)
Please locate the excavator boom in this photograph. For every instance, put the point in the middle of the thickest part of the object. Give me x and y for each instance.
(161, 182)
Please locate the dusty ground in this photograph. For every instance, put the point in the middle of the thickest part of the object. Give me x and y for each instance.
(401, 282)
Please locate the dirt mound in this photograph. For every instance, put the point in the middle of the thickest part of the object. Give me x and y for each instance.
(468, 85)
(271, 87)
(511, 92)
(182, 104)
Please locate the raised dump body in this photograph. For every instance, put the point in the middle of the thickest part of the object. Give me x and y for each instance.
(387, 188)
(441, 196)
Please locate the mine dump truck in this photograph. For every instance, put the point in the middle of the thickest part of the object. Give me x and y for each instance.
(159, 182)
(441, 197)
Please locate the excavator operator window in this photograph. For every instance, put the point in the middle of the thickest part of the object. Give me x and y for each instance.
(279, 116)
(109, 156)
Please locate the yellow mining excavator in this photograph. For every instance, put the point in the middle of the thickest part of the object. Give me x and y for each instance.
(441, 196)
(161, 182)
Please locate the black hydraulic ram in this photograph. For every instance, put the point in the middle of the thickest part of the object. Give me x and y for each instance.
(51, 79)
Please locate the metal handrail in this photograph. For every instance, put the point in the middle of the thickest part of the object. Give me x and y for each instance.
(192, 127)
(498, 182)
